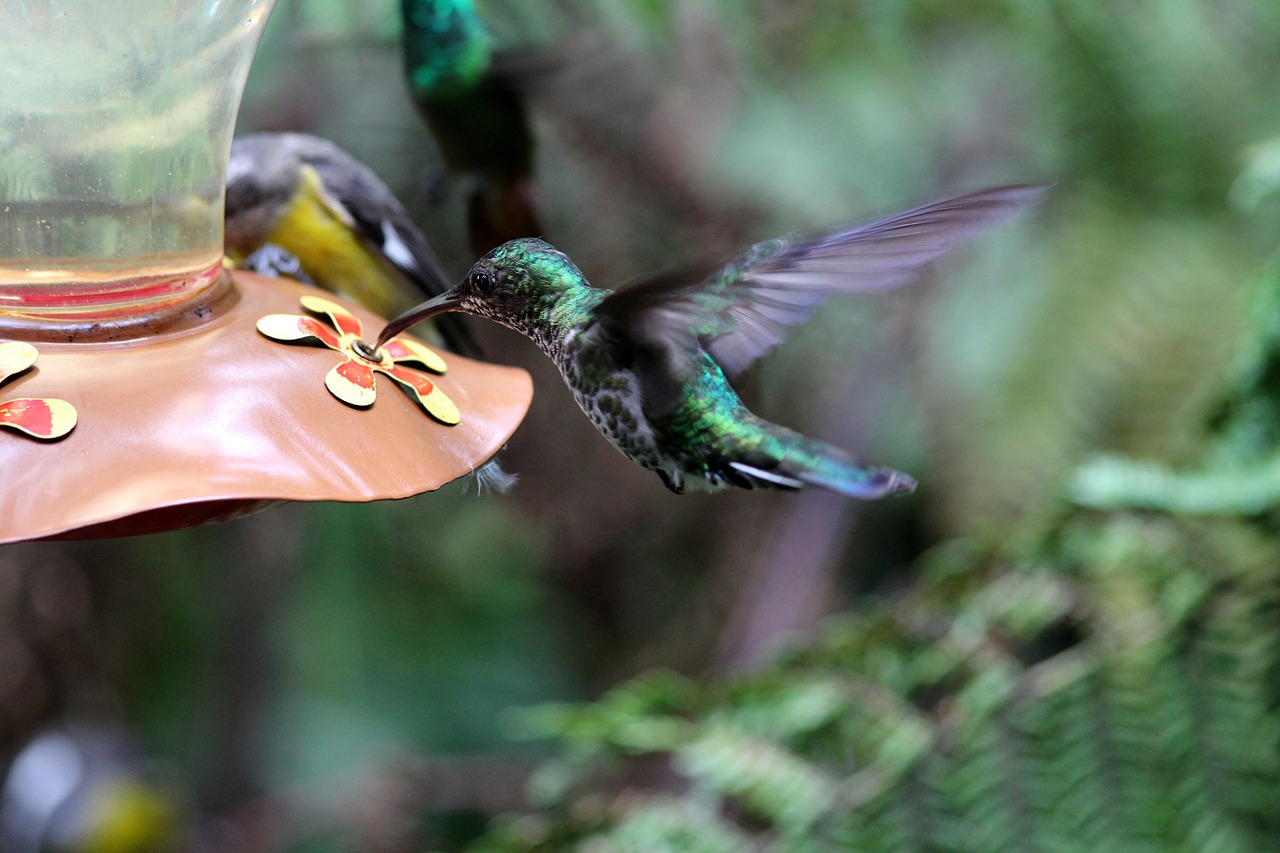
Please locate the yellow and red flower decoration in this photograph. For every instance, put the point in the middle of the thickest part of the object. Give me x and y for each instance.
(38, 417)
(354, 380)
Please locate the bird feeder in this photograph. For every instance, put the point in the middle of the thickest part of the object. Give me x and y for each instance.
(143, 387)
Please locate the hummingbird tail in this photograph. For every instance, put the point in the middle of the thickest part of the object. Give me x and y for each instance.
(866, 482)
(793, 461)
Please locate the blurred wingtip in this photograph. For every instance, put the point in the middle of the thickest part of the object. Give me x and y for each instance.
(1005, 199)
(1023, 197)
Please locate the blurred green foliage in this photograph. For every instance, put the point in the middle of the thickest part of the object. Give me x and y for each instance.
(1114, 688)
(1009, 670)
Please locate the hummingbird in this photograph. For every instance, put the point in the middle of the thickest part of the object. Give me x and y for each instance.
(651, 364)
(472, 99)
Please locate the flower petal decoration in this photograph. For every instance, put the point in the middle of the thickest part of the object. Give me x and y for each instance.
(15, 357)
(38, 417)
(354, 381)
(290, 328)
(404, 351)
(427, 394)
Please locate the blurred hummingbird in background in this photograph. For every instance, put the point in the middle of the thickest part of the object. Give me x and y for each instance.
(472, 98)
(651, 364)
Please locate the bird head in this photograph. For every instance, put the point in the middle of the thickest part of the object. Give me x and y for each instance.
(526, 284)
(262, 176)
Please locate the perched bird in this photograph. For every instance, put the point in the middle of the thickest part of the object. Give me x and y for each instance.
(651, 364)
(472, 99)
(348, 232)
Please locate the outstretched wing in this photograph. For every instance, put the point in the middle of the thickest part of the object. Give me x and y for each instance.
(742, 312)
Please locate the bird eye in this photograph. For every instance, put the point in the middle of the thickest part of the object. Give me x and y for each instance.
(482, 280)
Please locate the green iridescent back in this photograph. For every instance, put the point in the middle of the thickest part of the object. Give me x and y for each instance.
(447, 49)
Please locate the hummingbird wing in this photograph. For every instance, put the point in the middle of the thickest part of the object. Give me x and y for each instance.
(742, 312)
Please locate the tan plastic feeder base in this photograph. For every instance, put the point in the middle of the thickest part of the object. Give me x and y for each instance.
(212, 421)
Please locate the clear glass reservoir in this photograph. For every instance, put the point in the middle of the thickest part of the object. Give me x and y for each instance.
(115, 124)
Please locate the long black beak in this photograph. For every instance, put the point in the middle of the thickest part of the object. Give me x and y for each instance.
(445, 302)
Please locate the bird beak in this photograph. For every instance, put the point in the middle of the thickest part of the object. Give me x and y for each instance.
(450, 300)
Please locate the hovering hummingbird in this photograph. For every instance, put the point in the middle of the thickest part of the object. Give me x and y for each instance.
(472, 99)
(651, 364)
